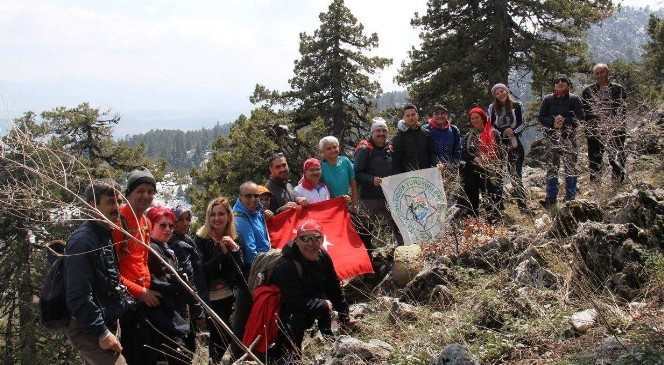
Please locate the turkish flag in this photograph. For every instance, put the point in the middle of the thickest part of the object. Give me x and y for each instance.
(342, 243)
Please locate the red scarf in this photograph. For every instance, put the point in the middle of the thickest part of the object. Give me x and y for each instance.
(487, 141)
(309, 164)
(432, 124)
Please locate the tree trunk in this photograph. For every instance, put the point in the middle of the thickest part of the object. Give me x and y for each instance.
(500, 40)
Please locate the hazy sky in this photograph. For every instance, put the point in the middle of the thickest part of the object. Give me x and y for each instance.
(161, 63)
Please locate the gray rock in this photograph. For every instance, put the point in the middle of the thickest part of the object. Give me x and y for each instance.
(441, 296)
(359, 310)
(403, 312)
(571, 214)
(529, 272)
(643, 208)
(584, 320)
(420, 288)
(454, 354)
(347, 348)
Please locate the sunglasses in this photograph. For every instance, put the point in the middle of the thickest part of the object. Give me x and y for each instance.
(311, 239)
(166, 225)
(255, 196)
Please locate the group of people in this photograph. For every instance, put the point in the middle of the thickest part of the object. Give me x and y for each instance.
(114, 282)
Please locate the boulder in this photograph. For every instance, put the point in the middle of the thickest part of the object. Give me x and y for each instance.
(571, 214)
(349, 350)
(419, 289)
(643, 208)
(454, 354)
(612, 257)
(441, 296)
(407, 263)
(530, 273)
(359, 310)
(583, 321)
(385, 302)
(403, 312)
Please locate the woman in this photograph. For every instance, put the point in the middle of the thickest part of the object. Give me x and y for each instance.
(482, 172)
(169, 321)
(506, 116)
(219, 246)
(337, 171)
(310, 186)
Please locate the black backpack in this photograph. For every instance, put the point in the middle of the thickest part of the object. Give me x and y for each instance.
(52, 296)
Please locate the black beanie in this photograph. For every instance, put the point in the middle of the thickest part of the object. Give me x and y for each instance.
(138, 177)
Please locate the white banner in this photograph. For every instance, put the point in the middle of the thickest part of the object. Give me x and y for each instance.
(418, 203)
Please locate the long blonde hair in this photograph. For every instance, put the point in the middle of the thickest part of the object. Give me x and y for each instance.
(204, 231)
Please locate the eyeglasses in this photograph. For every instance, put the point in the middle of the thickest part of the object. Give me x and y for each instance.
(311, 239)
(166, 225)
(255, 196)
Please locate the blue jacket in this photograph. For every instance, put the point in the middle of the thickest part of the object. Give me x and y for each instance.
(446, 142)
(252, 231)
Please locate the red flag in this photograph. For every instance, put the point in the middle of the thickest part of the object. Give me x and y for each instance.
(342, 243)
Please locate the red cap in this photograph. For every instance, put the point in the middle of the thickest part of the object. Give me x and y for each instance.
(311, 163)
(309, 226)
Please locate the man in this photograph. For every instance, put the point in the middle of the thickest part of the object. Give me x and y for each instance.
(254, 239)
(604, 106)
(446, 138)
(310, 290)
(132, 254)
(373, 161)
(559, 114)
(413, 147)
(95, 298)
(283, 196)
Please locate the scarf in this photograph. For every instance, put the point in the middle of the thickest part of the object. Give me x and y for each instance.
(487, 141)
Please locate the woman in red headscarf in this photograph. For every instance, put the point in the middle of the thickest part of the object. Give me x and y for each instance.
(483, 171)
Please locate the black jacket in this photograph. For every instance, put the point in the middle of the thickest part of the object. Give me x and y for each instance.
(190, 263)
(413, 149)
(282, 193)
(95, 297)
(317, 282)
(370, 162)
(171, 315)
(220, 267)
(569, 106)
(617, 94)
(471, 147)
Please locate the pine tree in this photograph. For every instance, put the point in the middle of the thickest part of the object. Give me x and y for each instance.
(654, 55)
(467, 46)
(332, 78)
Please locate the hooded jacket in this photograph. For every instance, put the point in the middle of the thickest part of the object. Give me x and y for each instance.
(252, 231)
(446, 142)
(370, 162)
(412, 149)
(190, 263)
(93, 292)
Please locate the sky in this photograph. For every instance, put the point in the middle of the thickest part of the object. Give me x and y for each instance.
(172, 64)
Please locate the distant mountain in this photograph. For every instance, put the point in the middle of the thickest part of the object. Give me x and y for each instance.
(391, 99)
(181, 149)
(621, 36)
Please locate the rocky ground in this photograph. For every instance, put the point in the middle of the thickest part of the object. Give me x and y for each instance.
(583, 284)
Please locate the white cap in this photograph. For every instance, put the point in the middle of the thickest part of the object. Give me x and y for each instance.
(378, 123)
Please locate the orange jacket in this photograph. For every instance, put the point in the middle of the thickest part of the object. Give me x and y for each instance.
(132, 256)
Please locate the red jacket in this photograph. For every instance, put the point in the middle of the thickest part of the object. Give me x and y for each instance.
(263, 318)
(132, 256)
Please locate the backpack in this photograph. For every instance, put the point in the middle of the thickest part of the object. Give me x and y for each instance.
(53, 310)
(263, 265)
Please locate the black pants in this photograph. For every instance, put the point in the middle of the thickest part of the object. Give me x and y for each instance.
(293, 325)
(219, 339)
(515, 159)
(616, 153)
(134, 335)
(476, 181)
(241, 311)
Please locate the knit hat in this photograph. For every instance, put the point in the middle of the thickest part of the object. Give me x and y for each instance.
(438, 108)
(378, 123)
(138, 177)
(309, 226)
(498, 86)
(181, 210)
